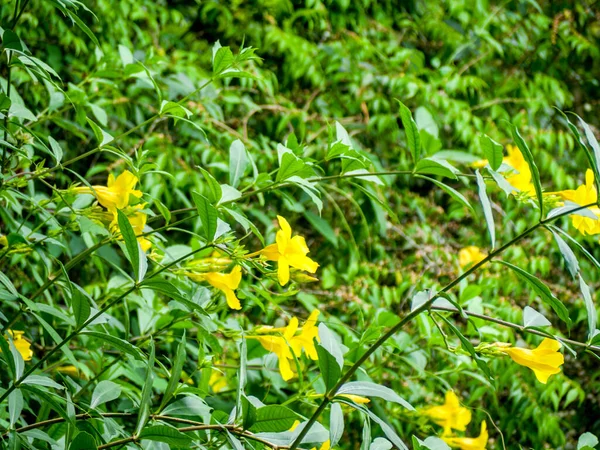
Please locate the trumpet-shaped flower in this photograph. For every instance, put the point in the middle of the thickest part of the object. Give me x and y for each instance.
(545, 360)
(285, 344)
(450, 415)
(584, 195)
(227, 283)
(115, 195)
(466, 443)
(289, 251)
(470, 255)
(22, 345)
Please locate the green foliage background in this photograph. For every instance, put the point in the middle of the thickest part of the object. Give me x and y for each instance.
(464, 68)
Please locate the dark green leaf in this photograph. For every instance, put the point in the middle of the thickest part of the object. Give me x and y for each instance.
(542, 290)
(208, 215)
(412, 132)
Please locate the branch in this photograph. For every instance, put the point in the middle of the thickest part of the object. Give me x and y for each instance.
(328, 397)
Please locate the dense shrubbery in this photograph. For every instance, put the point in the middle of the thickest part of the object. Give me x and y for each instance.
(284, 224)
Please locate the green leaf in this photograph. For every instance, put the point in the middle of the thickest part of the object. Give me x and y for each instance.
(102, 136)
(81, 307)
(535, 174)
(50, 401)
(274, 418)
(451, 192)
(56, 149)
(412, 132)
(329, 367)
(466, 344)
(336, 424)
(487, 208)
(222, 60)
(589, 306)
(104, 392)
(146, 400)
(168, 435)
(369, 389)
(39, 380)
(135, 254)
(238, 162)
(532, 318)
(290, 166)
(542, 290)
(587, 440)
(4, 102)
(180, 357)
(11, 41)
(15, 406)
(6, 354)
(83, 441)
(174, 109)
(425, 122)
(492, 151)
(433, 166)
(117, 343)
(214, 188)
(189, 405)
(567, 253)
(248, 413)
(208, 215)
(330, 344)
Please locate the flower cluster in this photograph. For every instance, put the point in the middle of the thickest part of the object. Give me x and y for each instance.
(116, 195)
(451, 416)
(287, 345)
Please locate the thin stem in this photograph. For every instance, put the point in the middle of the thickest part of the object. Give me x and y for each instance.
(91, 319)
(116, 138)
(515, 326)
(328, 397)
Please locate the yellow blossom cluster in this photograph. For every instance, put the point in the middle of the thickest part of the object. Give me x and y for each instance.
(452, 416)
(286, 344)
(116, 195)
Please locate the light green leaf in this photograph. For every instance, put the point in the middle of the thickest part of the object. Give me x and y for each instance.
(168, 435)
(532, 318)
(369, 389)
(487, 208)
(274, 418)
(433, 166)
(535, 174)
(178, 362)
(105, 391)
(492, 151)
(135, 254)
(146, 400)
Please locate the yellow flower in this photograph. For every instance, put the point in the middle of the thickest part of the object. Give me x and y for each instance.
(545, 360)
(21, 344)
(356, 398)
(217, 381)
(584, 195)
(226, 283)
(283, 343)
(305, 340)
(450, 415)
(115, 195)
(289, 251)
(464, 443)
(519, 176)
(470, 255)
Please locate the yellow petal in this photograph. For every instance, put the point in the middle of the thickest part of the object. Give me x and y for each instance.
(271, 252)
(283, 271)
(465, 443)
(356, 398)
